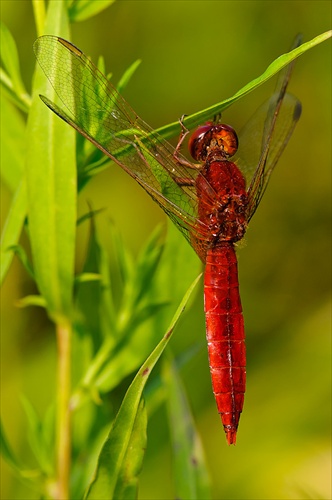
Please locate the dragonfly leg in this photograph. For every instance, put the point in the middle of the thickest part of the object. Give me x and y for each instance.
(217, 118)
(180, 181)
(183, 181)
(181, 160)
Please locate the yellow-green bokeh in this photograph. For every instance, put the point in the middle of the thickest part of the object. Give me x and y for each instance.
(194, 54)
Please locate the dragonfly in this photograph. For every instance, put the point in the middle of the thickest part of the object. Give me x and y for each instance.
(210, 199)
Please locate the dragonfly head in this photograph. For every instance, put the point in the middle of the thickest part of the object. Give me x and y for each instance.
(213, 138)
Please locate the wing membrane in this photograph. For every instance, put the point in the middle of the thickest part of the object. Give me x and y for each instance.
(96, 110)
(270, 127)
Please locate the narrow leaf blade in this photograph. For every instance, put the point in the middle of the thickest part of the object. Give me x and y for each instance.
(6, 450)
(12, 229)
(31, 478)
(84, 9)
(114, 450)
(200, 117)
(12, 152)
(127, 75)
(9, 56)
(190, 471)
(127, 484)
(51, 187)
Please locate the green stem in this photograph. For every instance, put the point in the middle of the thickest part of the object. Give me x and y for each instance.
(39, 11)
(63, 455)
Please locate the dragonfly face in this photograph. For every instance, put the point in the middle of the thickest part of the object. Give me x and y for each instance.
(208, 137)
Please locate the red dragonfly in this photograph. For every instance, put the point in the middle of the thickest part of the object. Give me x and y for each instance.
(210, 202)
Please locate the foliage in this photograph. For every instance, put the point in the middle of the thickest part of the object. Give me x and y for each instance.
(108, 319)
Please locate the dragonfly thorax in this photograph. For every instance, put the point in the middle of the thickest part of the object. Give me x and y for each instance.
(225, 212)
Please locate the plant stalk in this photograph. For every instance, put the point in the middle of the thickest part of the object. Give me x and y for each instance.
(63, 452)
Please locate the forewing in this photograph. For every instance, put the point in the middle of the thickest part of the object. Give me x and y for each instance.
(265, 136)
(96, 110)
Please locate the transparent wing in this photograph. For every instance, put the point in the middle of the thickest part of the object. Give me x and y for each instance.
(265, 136)
(96, 110)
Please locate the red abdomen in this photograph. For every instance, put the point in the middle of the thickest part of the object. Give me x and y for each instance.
(225, 335)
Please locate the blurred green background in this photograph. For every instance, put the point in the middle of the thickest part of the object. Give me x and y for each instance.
(197, 53)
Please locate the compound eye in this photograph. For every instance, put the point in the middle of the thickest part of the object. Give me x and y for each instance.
(219, 139)
(227, 138)
(196, 141)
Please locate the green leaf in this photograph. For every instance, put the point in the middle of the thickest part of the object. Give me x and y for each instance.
(86, 277)
(128, 337)
(32, 300)
(29, 477)
(36, 438)
(51, 188)
(127, 75)
(131, 330)
(22, 255)
(155, 393)
(167, 187)
(93, 156)
(12, 152)
(101, 64)
(95, 298)
(198, 118)
(89, 215)
(115, 448)
(80, 10)
(12, 173)
(193, 120)
(9, 57)
(178, 259)
(113, 363)
(127, 484)
(22, 101)
(129, 355)
(39, 14)
(190, 471)
(123, 258)
(147, 263)
(48, 433)
(98, 317)
(12, 230)
(7, 452)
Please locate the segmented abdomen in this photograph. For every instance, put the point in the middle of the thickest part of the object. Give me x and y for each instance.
(225, 335)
